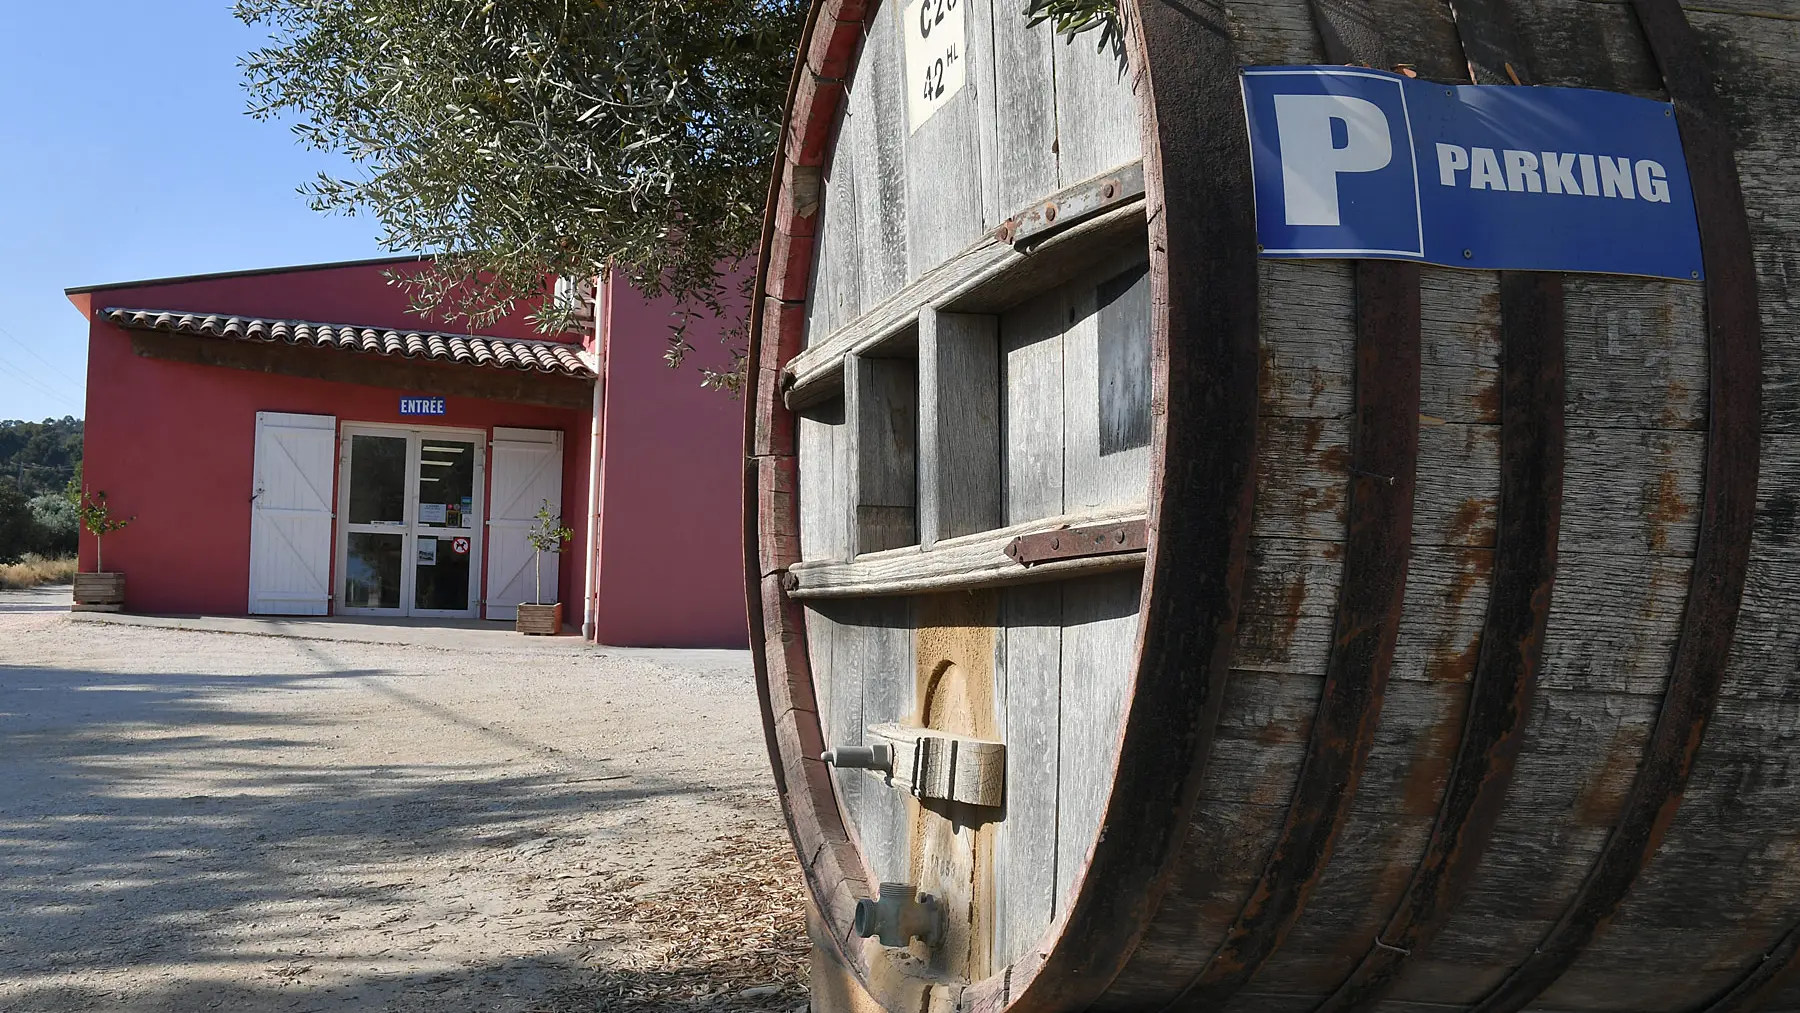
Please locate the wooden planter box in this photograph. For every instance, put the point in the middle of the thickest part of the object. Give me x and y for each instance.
(99, 592)
(539, 620)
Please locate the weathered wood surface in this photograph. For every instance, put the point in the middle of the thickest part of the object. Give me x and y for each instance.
(986, 277)
(1723, 888)
(856, 647)
(881, 409)
(1728, 850)
(923, 453)
(936, 765)
(1099, 620)
(968, 561)
(825, 504)
(1030, 699)
(959, 428)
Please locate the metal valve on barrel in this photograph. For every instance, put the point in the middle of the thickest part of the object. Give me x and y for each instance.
(879, 756)
(899, 915)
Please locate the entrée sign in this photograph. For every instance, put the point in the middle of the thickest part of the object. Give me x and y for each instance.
(422, 406)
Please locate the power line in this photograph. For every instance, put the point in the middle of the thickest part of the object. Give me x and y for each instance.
(38, 386)
(47, 363)
(27, 375)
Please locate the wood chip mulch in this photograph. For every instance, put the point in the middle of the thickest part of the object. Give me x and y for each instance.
(729, 936)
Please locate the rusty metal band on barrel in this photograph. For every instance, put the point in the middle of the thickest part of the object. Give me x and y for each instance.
(1371, 593)
(1715, 589)
(1511, 642)
(776, 632)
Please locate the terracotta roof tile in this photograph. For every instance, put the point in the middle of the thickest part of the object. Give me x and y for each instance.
(466, 349)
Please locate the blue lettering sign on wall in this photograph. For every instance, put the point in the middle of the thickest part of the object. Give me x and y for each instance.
(422, 406)
(1350, 162)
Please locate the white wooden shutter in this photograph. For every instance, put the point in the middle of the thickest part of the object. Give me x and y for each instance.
(525, 470)
(290, 514)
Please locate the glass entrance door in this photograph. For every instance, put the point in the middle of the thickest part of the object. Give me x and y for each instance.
(410, 539)
(444, 533)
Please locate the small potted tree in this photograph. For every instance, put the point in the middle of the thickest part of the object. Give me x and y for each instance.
(99, 591)
(546, 535)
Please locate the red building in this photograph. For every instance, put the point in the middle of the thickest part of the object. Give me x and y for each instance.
(295, 442)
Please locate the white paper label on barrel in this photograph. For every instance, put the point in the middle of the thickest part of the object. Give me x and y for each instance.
(935, 51)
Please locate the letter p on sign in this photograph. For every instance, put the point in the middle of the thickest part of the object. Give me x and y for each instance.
(1322, 136)
(1333, 163)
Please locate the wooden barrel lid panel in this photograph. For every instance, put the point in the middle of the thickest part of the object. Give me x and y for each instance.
(858, 647)
(1076, 419)
(1059, 679)
(824, 463)
(889, 457)
(903, 201)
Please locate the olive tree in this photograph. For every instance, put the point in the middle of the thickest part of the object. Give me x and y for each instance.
(1074, 17)
(522, 140)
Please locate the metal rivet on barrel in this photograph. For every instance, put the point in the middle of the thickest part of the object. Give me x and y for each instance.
(1109, 191)
(1050, 212)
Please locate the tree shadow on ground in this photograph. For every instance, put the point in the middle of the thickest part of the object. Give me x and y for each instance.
(542, 985)
(108, 871)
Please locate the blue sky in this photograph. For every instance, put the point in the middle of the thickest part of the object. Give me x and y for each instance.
(125, 153)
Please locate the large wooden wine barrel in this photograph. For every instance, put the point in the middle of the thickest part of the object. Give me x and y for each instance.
(1257, 634)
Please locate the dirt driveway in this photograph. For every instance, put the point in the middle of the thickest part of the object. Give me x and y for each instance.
(195, 820)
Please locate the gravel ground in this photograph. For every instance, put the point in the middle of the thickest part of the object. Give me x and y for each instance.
(200, 820)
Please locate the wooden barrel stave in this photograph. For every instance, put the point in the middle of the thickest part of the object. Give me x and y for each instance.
(1278, 970)
(1728, 849)
(1635, 457)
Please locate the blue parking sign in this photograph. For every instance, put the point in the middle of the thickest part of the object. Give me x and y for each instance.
(1351, 162)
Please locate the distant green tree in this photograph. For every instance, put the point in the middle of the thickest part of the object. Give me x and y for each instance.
(522, 140)
(58, 524)
(40, 456)
(18, 531)
(36, 458)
